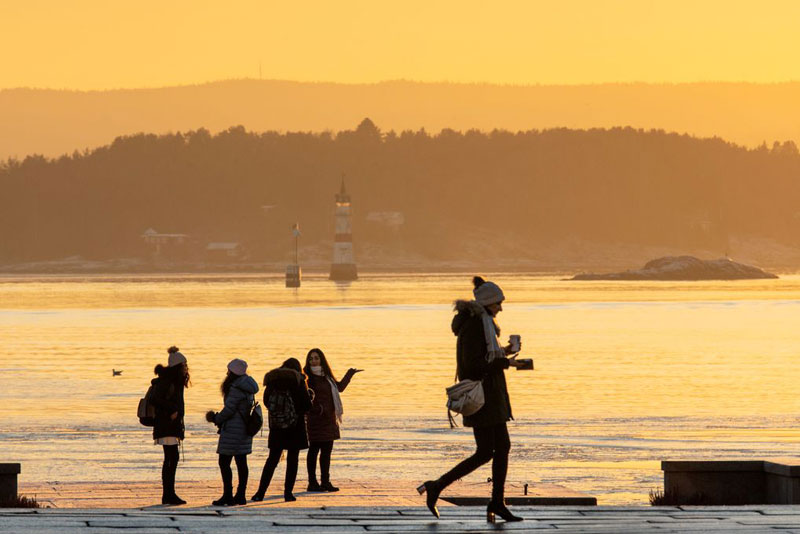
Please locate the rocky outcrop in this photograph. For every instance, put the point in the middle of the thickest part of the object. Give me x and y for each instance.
(685, 268)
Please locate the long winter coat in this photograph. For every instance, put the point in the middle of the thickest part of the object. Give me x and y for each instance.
(289, 380)
(321, 420)
(233, 437)
(167, 398)
(471, 364)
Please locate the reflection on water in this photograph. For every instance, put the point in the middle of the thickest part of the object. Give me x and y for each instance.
(626, 373)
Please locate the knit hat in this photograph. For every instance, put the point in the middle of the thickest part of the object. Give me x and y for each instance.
(175, 358)
(237, 366)
(488, 293)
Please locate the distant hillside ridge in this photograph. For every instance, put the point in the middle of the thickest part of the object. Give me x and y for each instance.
(56, 122)
(490, 196)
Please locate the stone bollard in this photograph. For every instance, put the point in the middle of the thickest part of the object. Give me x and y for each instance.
(8, 482)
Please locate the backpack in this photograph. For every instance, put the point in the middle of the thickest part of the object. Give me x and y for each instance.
(146, 411)
(282, 413)
(253, 419)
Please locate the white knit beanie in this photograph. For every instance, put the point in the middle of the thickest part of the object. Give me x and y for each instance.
(237, 366)
(488, 293)
(175, 358)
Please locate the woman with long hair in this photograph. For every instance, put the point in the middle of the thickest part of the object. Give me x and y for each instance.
(287, 399)
(168, 427)
(479, 356)
(324, 418)
(238, 389)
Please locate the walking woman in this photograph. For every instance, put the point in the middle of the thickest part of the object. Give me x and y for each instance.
(324, 417)
(480, 357)
(168, 429)
(238, 390)
(287, 399)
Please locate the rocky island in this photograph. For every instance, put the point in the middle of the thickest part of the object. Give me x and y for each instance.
(685, 268)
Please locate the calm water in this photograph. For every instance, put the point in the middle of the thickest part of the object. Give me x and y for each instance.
(626, 374)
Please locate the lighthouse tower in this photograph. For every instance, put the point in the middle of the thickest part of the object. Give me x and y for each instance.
(343, 268)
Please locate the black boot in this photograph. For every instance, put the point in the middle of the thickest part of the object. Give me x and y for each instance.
(313, 485)
(288, 496)
(226, 499)
(498, 507)
(239, 498)
(433, 489)
(327, 486)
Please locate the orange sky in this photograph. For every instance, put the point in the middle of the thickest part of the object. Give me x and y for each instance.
(99, 44)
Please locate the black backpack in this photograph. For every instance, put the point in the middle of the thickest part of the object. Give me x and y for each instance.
(282, 413)
(146, 411)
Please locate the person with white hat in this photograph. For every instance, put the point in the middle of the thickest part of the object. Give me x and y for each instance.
(168, 427)
(480, 357)
(238, 390)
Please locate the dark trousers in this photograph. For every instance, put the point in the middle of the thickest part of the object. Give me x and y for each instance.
(168, 469)
(274, 457)
(493, 444)
(323, 449)
(227, 475)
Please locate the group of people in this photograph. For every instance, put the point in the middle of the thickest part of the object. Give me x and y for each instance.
(305, 412)
(314, 393)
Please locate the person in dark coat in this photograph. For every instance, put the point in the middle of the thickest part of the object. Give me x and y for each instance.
(238, 390)
(480, 357)
(287, 399)
(168, 428)
(322, 421)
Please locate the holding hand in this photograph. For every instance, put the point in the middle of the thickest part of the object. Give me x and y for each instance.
(210, 416)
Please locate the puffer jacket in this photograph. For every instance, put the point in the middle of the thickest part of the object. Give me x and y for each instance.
(471, 364)
(233, 437)
(167, 398)
(294, 383)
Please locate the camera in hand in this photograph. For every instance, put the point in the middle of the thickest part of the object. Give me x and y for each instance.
(526, 364)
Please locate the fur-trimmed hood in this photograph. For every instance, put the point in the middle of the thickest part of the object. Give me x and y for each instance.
(465, 310)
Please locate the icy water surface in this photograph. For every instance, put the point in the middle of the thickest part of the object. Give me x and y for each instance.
(627, 373)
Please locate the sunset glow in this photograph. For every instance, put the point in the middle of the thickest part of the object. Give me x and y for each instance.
(96, 44)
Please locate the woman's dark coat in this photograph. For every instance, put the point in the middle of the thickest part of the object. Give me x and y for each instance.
(233, 437)
(321, 420)
(471, 364)
(167, 398)
(293, 382)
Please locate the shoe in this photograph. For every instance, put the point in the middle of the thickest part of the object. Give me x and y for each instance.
(258, 497)
(239, 498)
(225, 500)
(499, 508)
(433, 490)
(288, 497)
(314, 486)
(172, 500)
(327, 486)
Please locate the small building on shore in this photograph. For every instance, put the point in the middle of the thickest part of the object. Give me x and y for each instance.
(224, 251)
(165, 245)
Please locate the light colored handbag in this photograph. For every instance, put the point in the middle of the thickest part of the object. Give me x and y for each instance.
(465, 397)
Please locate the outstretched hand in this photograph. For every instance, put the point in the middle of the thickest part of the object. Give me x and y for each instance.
(353, 370)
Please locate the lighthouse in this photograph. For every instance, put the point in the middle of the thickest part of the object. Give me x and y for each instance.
(343, 268)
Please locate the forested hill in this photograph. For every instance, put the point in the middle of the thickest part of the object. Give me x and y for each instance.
(55, 122)
(460, 194)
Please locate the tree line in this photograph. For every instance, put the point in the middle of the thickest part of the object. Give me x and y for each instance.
(454, 189)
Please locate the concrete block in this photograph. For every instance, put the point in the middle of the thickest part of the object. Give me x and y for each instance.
(8, 481)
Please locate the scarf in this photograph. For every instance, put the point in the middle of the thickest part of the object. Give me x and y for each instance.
(337, 400)
(493, 349)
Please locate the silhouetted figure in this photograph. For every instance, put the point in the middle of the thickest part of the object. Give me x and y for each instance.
(480, 357)
(168, 428)
(287, 400)
(238, 390)
(322, 421)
